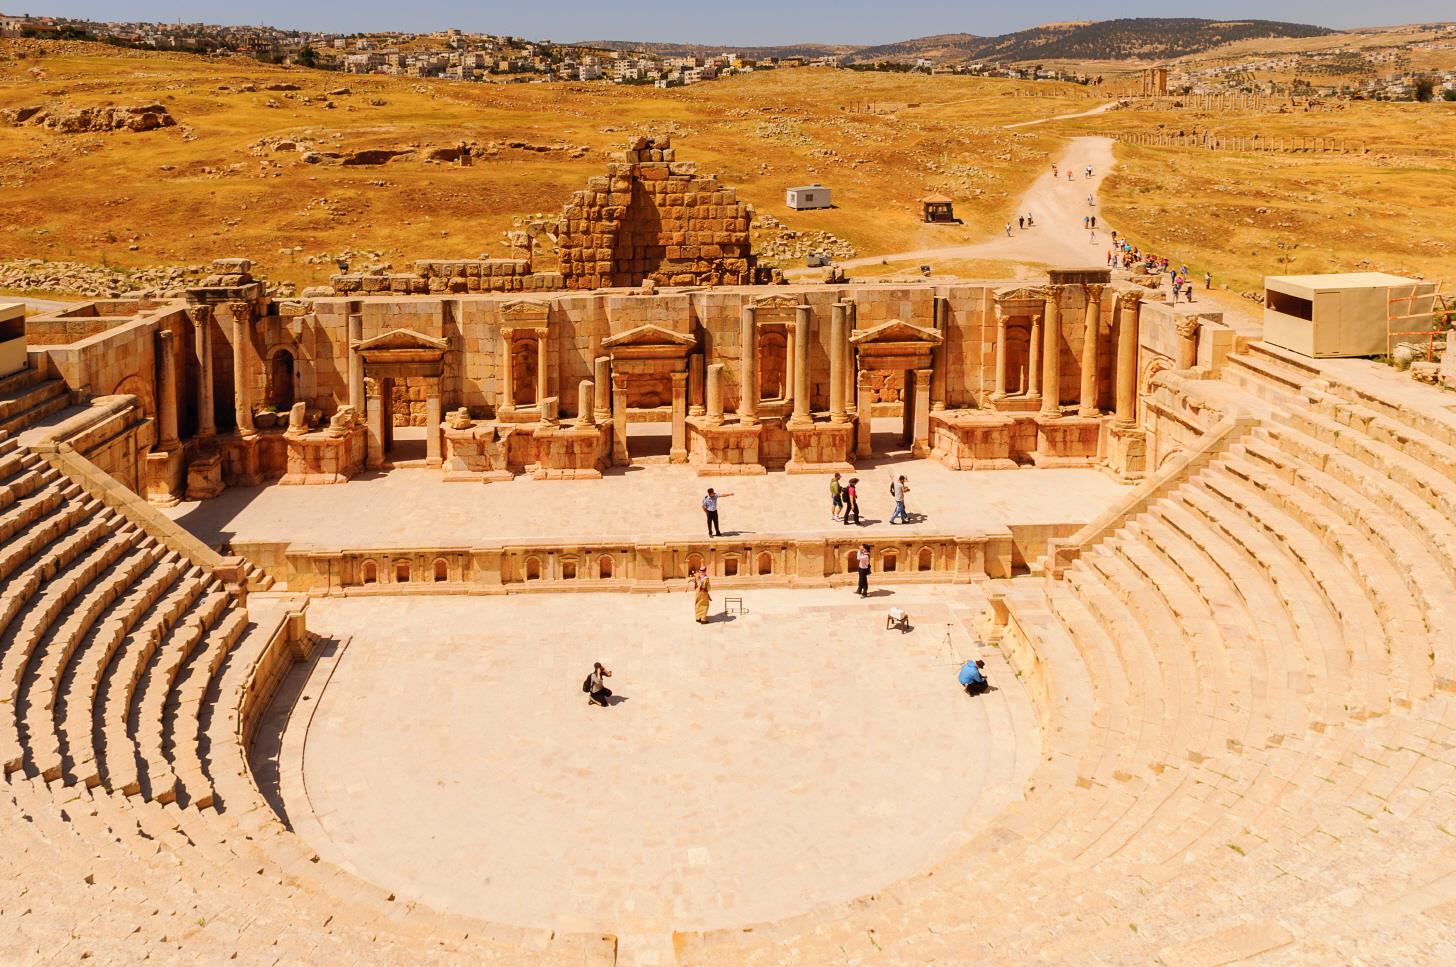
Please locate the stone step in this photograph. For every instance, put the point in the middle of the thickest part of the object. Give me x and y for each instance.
(33, 405)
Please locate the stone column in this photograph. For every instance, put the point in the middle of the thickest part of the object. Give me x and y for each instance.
(584, 393)
(507, 402)
(432, 426)
(1127, 351)
(679, 451)
(790, 358)
(838, 351)
(1033, 359)
(748, 370)
(801, 367)
(1087, 404)
(375, 417)
(620, 456)
(167, 391)
(602, 383)
(941, 308)
(356, 363)
(242, 372)
(1051, 354)
(851, 376)
(1000, 391)
(920, 431)
(201, 317)
(1187, 342)
(715, 394)
(543, 381)
(695, 384)
(864, 445)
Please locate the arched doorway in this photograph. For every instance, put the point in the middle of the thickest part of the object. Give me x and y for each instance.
(280, 381)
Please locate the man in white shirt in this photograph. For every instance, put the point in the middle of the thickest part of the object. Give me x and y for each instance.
(710, 508)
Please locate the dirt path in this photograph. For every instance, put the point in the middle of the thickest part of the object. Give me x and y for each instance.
(1062, 117)
(1058, 205)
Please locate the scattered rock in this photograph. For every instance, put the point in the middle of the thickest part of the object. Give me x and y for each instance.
(68, 120)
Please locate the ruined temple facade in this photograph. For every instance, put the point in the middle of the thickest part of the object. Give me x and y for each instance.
(239, 388)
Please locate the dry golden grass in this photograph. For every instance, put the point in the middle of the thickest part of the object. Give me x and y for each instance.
(197, 191)
(1229, 213)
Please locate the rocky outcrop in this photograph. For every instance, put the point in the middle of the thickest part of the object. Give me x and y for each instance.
(85, 120)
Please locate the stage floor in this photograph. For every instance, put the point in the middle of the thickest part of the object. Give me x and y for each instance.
(753, 768)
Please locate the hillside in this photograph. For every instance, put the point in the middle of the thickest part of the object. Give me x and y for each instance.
(292, 167)
(1146, 38)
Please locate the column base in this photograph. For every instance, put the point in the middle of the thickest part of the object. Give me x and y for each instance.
(1127, 453)
(1066, 441)
(204, 476)
(164, 477)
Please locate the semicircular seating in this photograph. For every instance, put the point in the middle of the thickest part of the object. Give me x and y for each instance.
(1245, 692)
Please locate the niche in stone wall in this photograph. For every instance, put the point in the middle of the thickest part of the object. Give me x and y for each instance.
(604, 566)
(765, 563)
(280, 381)
(926, 560)
(442, 569)
(524, 360)
(1018, 357)
(773, 359)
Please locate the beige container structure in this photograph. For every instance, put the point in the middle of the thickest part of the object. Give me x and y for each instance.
(1341, 314)
(12, 337)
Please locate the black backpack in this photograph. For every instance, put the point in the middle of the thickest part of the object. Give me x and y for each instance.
(586, 685)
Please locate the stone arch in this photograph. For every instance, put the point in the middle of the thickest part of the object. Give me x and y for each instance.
(1170, 455)
(369, 573)
(925, 560)
(765, 563)
(1151, 369)
(401, 571)
(134, 385)
(533, 568)
(604, 566)
(568, 569)
(442, 569)
(889, 560)
(695, 561)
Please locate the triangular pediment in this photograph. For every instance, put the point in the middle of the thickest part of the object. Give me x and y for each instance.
(401, 339)
(896, 330)
(649, 335)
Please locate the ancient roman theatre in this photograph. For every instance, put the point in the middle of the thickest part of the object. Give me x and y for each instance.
(299, 595)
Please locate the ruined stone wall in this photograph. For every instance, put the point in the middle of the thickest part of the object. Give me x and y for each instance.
(654, 217)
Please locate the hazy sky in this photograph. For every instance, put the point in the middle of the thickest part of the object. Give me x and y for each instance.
(742, 22)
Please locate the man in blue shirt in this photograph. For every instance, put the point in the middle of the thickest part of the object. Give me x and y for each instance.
(971, 678)
(710, 507)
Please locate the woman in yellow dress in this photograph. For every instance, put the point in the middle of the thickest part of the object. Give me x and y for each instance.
(701, 597)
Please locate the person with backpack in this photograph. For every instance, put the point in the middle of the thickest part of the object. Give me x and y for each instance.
(596, 687)
(851, 501)
(862, 565)
(836, 497)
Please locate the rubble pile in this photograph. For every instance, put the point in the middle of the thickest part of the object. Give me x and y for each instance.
(86, 120)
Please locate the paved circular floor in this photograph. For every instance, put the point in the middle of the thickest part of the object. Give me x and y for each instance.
(754, 768)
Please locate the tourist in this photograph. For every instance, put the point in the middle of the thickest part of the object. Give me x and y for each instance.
(862, 565)
(1054, 169)
(1188, 291)
(1069, 176)
(971, 677)
(710, 507)
(1021, 221)
(1030, 222)
(698, 584)
(596, 687)
(851, 501)
(1177, 287)
(1109, 256)
(898, 490)
(1093, 239)
(1094, 221)
(1089, 171)
(1008, 229)
(1207, 280)
(836, 497)
(1085, 226)
(1091, 202)
(1114, 236)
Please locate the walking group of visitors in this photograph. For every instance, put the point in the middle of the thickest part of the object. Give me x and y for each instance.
(1127, 255)
(844, 499)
